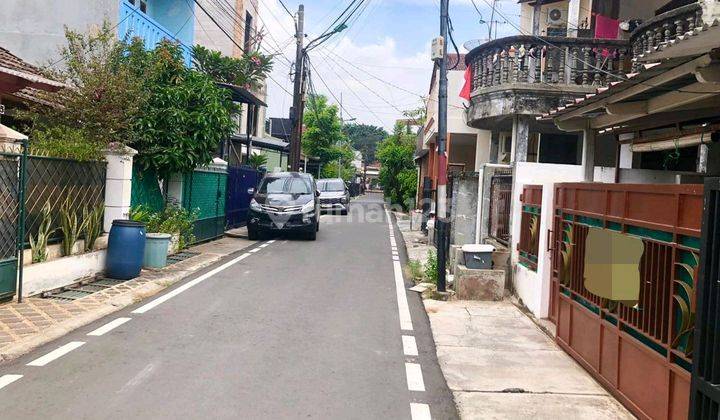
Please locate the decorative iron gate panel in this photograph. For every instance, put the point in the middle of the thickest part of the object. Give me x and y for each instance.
(641, 350)
(240, 179)
(705, 394)
(12, 210)
(204, 192)
(500, 205)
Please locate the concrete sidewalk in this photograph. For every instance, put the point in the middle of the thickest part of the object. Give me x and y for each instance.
(36, 321)
(500, 365)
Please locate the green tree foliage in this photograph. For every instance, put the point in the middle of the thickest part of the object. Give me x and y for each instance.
(247, 71)
(323, 137)
(398, 175)
(365, 137)
(100, 105)
(185, 115)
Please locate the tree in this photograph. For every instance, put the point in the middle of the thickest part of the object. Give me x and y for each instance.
(398, 176)
(100, 105)
(185, 114)
(248, 71)
(365, 137)
(323, 137)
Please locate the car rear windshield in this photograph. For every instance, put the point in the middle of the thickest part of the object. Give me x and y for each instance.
(331, 185)
(285, 185)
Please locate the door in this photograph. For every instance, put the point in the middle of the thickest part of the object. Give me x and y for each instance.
(9, 217)
(240, 180)
(204, 193)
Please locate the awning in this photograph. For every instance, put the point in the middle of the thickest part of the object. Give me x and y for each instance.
(242, 95)
(262, 142)
(8, 134)
(12, 80)
(421, 154)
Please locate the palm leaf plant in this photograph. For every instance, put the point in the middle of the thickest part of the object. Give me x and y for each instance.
(39, 246)
(70, 226)
(92, 224)
(256, 161)
(686, 304)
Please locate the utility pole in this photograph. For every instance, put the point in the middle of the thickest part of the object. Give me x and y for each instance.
(342, 124)
(441, 221)
(298, 105)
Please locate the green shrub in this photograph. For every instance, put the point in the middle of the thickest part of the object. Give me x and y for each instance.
(416, 270)
(431, 268)
(173, 220)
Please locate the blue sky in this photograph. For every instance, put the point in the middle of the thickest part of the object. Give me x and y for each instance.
(381, 63)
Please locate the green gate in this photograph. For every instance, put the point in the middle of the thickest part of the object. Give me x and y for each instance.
(12, 215)
(204, 191)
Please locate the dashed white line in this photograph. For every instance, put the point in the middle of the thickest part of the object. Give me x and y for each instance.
(186, 286)
(264, 245)
(420, 411)
(252, 251)
(6, 380)
(409, 345)
(109, 327)
(271, 241)
(56, 354)
(414, 377)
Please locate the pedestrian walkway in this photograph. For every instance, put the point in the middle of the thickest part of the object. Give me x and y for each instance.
(35, 321)
(500, 365)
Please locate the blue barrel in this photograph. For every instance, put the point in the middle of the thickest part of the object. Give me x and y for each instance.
(126, 250)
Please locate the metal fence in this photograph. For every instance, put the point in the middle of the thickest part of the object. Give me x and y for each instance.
(204, 190)
(57, 180)
(705, 394)
(628, 345)
(10, 216)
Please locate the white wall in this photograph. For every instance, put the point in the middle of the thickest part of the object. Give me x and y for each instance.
(637, 176)
(534, 287)
(457, 121)
(482, 148)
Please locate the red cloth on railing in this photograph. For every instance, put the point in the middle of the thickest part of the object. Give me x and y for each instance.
(606, 27)
(465, 92)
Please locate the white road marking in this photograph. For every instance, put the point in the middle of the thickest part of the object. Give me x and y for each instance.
(414, 377)
(409, 345)
(109, 327)
(396, 258)
(420, 411)
(56, 354)
(6, 380)
(403, 307)
(271, 241)
(186, 286)
(252, 251)
(264, 245)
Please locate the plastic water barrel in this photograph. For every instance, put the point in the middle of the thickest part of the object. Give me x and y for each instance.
(126, 249)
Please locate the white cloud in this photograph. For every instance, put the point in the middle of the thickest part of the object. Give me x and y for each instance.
(368, 62)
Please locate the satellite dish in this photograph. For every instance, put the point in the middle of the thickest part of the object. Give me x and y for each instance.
(473, 43)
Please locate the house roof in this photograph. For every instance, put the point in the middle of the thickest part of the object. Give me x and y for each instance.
(17, 75)
(263, 142)
(242, 95)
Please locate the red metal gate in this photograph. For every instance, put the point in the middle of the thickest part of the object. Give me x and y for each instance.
(641, 353)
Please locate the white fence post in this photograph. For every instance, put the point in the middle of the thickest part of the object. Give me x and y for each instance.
(118, 184)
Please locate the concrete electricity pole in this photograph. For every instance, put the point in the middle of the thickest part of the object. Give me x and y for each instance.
(296, 139)
(441, 221)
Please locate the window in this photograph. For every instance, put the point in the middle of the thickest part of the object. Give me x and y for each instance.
(285, 185)
(248, 32)
(143, 4)
(331, 186)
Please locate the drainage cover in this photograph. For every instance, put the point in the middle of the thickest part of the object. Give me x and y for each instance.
(69, 295)
(180, 256)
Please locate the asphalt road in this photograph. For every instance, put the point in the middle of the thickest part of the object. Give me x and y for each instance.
(296, 329)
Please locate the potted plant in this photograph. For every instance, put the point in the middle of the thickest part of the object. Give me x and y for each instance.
(168, 230)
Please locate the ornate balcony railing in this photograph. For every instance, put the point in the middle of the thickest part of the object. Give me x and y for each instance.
(664, 27)
(545, 60)
(134, 23)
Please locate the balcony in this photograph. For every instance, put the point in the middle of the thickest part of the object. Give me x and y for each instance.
(134, 23)
(530, 75)
(664, 28)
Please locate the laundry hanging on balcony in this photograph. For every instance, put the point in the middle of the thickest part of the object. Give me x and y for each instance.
(465, 92)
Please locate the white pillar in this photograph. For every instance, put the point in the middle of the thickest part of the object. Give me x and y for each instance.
(573, 20)
(175, 189)
(588, 155)
(520, 138)
(482, 148)
(118, 184)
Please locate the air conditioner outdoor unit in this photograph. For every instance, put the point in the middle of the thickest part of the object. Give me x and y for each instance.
(556, 17)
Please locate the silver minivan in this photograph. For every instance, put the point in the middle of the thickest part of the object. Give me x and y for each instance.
(334, 195)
